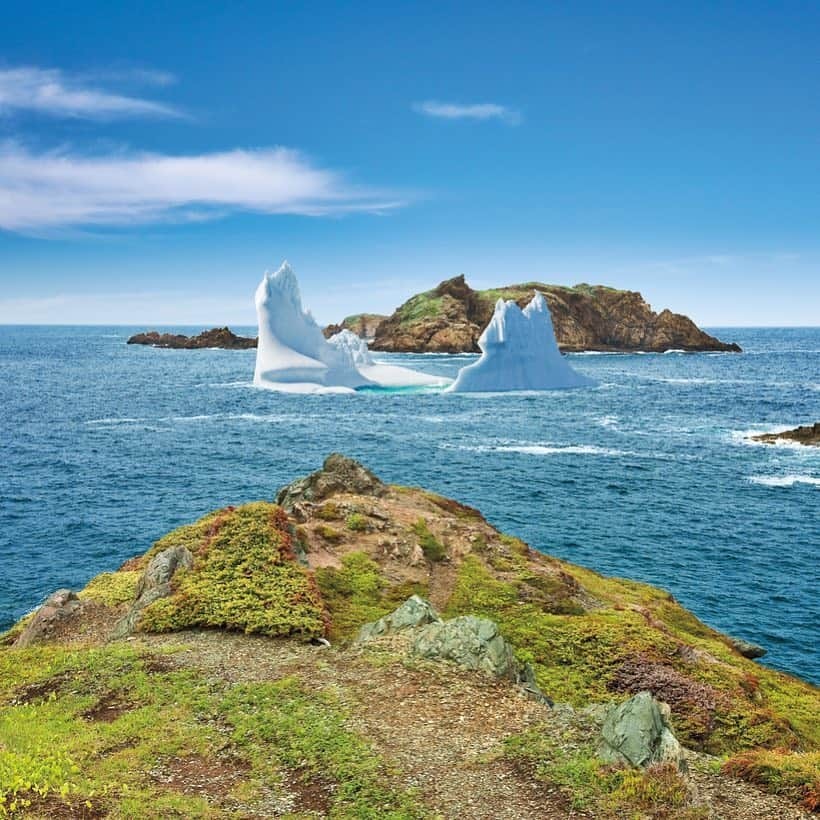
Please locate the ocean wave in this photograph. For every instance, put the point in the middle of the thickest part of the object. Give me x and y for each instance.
(607, 421)
(113, 421)
(226, 385)
(784, 480)
(746, 438)
(545, 449)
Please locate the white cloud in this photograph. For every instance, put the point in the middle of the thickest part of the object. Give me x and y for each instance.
(52, 92)
(48, 191)
(473, 111)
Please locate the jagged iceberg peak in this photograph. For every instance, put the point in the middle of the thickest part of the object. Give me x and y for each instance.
(352, 346)
(519, 352)
(293, 355)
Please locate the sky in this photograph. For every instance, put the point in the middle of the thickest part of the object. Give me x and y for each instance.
(156, 158)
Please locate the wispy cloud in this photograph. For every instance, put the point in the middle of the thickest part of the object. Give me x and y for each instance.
(472, 111)
(42, 192)
(54, 93)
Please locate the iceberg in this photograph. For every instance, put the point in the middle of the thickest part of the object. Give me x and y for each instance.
(380, 374)
(293, 355)
(519, 352)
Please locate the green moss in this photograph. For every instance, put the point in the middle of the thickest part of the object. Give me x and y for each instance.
(577, 655)
(358, 593)
(563, 753)
(329, 511)
(307, 730)
(244, 577)
(432, 548)
(329, 533)
(112, 588)
(422, 306)
(792, 774)
(356, 522)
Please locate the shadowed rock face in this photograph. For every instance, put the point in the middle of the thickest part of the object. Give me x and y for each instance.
(450, 319)
(809, 434)
(222, 337)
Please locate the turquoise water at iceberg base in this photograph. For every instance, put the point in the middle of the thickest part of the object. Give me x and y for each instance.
(105, 447)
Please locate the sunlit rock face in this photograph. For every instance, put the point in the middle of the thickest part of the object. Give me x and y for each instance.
(519, 352)
(292, 354)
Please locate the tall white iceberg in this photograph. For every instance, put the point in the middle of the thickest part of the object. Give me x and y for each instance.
(519, 352)
(294, 356)
(292, 353)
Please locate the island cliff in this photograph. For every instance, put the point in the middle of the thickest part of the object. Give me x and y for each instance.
(450, 318)
(365, 650)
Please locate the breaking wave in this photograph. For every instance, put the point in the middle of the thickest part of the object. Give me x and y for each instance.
(784, 480)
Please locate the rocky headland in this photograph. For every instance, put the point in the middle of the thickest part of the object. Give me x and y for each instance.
(450, 318)
(808, 434)
(356, 649)
(222, 337)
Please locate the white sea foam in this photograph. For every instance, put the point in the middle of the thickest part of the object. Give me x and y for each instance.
(607, 421)
(545, 449)
(784, 480)
(113, 421)
(746, 437)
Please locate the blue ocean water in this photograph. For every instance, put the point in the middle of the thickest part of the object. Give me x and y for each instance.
(106, 447)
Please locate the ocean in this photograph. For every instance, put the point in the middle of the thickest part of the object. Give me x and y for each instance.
(105, 447)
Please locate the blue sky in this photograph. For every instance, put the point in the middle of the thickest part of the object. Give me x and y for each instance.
(155, 158)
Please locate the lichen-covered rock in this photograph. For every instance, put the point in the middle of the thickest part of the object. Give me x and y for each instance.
(59, 607)
(154, 584)
(638, 733)
(474, 643)
(339, 474)
(414, 612)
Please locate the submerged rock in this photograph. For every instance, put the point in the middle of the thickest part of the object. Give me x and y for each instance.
(339, 474)
(414, 612)
(638, 733)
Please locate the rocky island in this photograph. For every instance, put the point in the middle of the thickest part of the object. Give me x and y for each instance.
(357, 649)
(221, 337)
(808, 434)
(450, 318)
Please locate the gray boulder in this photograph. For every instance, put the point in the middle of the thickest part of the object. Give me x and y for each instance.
(339, 474)
(471, 642)
(58, 608)
(747, 648)
(638, 733)
(154, 584)
(415, 611)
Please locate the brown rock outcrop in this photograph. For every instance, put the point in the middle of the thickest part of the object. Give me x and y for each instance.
(222, 337)
(808, 434)
(450, 318)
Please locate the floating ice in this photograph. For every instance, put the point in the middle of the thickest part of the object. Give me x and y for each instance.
(383, 375)
(519, 352)
(294, 356)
